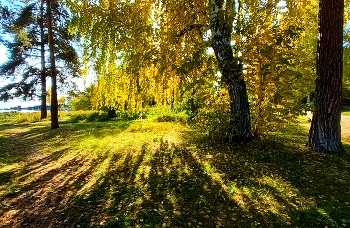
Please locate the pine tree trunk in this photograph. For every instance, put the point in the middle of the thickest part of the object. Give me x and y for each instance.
(43, 96)
(231, 70)
(42, 55)
(325, 134)
(54, 103)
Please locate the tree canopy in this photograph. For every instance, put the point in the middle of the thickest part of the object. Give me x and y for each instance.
(165, 53)
(160, 52)
(25, 34)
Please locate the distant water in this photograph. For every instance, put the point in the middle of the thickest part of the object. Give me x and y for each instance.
(23, 110)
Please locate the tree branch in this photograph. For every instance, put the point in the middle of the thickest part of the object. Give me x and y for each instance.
(189, 28)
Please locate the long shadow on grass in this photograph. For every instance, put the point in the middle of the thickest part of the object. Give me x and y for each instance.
(275, 182)
(269, 183)
(285, 183)
(39, 188)
(16, 147)
(174, 187)
(166, 187)
(11, 149)
(40, 202)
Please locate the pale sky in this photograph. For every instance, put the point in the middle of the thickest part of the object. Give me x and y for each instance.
(81, 83)
(16, 102)
(3, 58)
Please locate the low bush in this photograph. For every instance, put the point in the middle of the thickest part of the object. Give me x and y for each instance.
(75, 118)
(92, 116)
(103, 116)
(130, 115)
(165, 114)
(29, 117)
(7, 117)
(166, 119)
(214, 124)
(88, 116)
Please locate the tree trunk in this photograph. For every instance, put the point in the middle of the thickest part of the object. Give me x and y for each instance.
(54, 103)
(324, 134)
(231, 70)
(42, 55)
(43, 96)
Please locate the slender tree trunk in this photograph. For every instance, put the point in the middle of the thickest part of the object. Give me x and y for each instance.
(43, 96)
(231, 69)
(54, 103)
(325, 135)
(42, 55)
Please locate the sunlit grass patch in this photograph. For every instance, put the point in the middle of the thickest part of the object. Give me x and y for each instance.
(125, 142)
(164, 114)
(22, 117)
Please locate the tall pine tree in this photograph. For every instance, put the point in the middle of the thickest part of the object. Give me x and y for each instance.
(27, 41)
(54, 103)
(325, 134)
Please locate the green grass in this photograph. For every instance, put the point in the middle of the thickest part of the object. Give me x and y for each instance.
(346, 112)
(154, 173)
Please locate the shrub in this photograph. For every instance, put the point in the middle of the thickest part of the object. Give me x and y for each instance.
(92, 116)
(172, 118)
(8, 116)
(78, 117)
(213, 118)
(166, 119)
(89, 116)
(102, 117)
(30, 117)
(130, 115)
(214, 124)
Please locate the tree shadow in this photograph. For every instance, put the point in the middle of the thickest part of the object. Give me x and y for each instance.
(266, 183)
(287, 183)
(168, 188)
(43, 184)
(5, 177)
(33, 136)
(275, 182)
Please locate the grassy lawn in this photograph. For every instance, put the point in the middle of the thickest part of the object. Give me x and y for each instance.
(154, 173)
